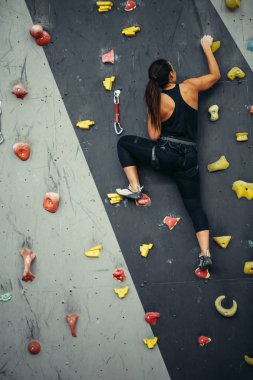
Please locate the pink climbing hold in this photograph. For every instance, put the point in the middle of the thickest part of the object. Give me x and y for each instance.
(36, 31)
(19, 91)
(130, 5)
(22, 150)
(152, 317)
(28, 257)
(145, 200)
(108, 57)
(170, 222)
(119, 274)
(51, 202)
(44, 39)
(72, 319)
(203, 340)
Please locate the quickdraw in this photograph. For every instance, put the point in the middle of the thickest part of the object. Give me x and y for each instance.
(117, 126)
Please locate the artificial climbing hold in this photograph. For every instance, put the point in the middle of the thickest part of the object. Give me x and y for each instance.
(248, 359)
(36, 31)
(225, 312)
(22, 150)
(215, 46)
(104, 6)
(85, 124)
(248, 267)
(119, 275)
(19, 91)
(221, 164)
(222, 241)
(243, 189)
(145, 248)
(250, 45)
(44, 40)
(152, 317)
(145, 200)
(130, 5)
(5, 297)
(28, 257)
(233, 4)
(170, 222)
(150, 343)
(107, 82)
(202, 273)
(108, 57)
(72, 319)
(213, 110)
(130, 32)
(94, 251)
(242, 136)
(51, 202)
(251, 110)
(235, 72)
(114, 198)
(34, 347)
(121, 292)
(203, 340)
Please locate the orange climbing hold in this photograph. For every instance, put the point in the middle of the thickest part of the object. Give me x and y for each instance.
(152, 317)
(130, 5)
(44, 40)
(28, 257)
(108, 57)
(203, 340)
(170, 222)
(119, 275)
(202, 273)
(19, 91)
(51, 202)
(22, 150)
(72, 319)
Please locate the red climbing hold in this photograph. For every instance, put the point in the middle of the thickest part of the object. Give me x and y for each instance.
(22, 150)
(203, 340)
(143, 201)
(202, 273)
(51, 202)
(19, 91)
(108, 57)
(72, 319)
(130, 5)
(36, 31)
(28, 257)
(170, 222)
(151, 317)
(34, 347)
(119, 274)
(44, 39)
(251, 110)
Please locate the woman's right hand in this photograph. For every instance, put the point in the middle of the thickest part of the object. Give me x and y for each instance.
(206, 41)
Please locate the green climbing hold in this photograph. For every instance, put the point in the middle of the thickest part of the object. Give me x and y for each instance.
(5, 297)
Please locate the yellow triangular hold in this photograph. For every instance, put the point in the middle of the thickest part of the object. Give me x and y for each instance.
(85, 124)
(221, 164)
(145, 248)
(150, 342)
(222, 241)
(122, 292)
(107, 82)
(215, 46)
(97, 248)
(94, 251)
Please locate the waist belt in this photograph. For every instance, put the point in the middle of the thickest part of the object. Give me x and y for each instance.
(172, 139)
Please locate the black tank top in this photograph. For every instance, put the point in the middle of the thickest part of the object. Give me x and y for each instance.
(184, 120)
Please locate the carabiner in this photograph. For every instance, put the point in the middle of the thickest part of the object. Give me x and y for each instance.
(116, 96)
(118, 128)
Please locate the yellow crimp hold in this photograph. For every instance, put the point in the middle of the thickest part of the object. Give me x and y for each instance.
(145, 248)
(213, 110)
(222, 241)
(235, 72)
(104, 6)
(242, 136)
(215, 46)
(108, 83)
(130, 32)
(85, 124)
(248, 359)
(232, 4)
(122, 292)
(243, 189)
(114, 198)
(94, 251)
(221, 164)
(248, 267)
(150, 342)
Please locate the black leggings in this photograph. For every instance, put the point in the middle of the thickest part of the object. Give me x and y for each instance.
(176, 159)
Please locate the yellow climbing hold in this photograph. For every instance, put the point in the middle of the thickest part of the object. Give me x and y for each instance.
(221, 164)
(114, 198)
(213, 110)
(235, 72)
(130, 32)
(248, 359)
(243, 189)
(222, 310)
(94, 251)
(145, 248)
(108, 83)
(122, 292)
(215, 46)
(242, 136)
(104, 6)
(248, 267)
(85, 124)
(150, 342)
(232, 4)
(222, 241)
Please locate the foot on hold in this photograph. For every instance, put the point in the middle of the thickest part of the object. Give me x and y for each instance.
(233, 4)
(72, 319)
(220, 164)
(243, 189)
(205, 261)
(202, 273)
(145, 200)
(235, 72)
(129, 193)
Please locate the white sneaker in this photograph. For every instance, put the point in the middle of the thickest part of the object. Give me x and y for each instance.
(129, 193)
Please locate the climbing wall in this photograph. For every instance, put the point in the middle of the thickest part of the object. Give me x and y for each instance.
(110, 330)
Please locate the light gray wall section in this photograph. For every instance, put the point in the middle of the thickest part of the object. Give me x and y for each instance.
(239, 22)
(110, 331)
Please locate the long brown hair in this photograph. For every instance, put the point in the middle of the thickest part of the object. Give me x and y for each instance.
(158, 73)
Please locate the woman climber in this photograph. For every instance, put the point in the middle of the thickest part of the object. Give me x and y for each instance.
(172, 128)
